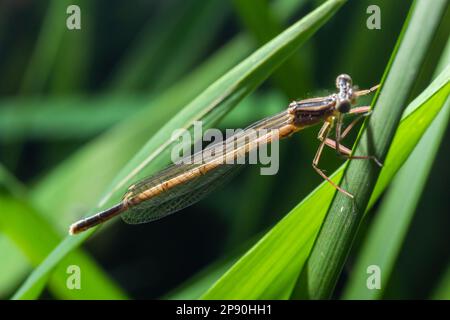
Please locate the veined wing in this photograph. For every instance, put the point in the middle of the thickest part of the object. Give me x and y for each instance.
(187, 182)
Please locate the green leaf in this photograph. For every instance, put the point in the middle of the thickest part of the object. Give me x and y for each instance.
(386, 236)
(209, 107)
(14, 267)
(34, 237)
(334, 241)
(433, 98)
(270, 268)
(32, 234)
(384, 241)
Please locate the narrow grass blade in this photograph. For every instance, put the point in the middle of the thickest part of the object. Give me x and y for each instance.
(35, 238)
(385, 238)
(321, 273)
(14, 265)
(14, 269)
(269, 269)
(433, 99)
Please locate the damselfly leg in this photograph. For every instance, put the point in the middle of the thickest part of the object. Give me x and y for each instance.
(323, 136)
(343, 150)
(340, 135)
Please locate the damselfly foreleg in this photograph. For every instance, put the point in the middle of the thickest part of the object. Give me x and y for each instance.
(366, 91)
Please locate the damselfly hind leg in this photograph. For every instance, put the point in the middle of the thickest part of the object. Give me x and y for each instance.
(346, 152)
(323, 136)
(343, 150)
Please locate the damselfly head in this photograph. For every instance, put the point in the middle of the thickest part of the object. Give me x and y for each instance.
(343, 81)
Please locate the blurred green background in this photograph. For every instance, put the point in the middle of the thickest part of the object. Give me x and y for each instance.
(76, 105)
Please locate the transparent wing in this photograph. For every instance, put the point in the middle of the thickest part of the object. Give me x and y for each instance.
(179, 197)
(195, 187)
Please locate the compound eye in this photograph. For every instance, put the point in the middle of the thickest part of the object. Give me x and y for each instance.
(342, 80)
(344, 106)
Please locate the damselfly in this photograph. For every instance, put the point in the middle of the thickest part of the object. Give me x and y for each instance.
(184, 183)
